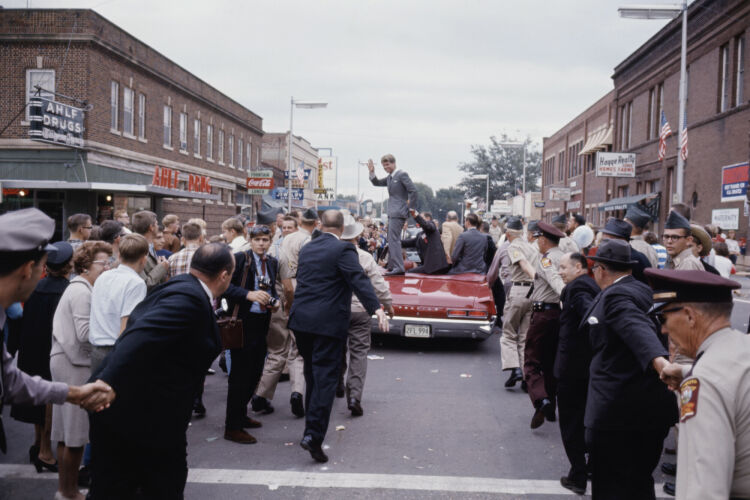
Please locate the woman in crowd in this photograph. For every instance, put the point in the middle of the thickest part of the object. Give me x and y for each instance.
(70, 361)
(34, 347)
(732, 245)
(722, 261)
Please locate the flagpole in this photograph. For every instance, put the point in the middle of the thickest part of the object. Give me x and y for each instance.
(683, 98)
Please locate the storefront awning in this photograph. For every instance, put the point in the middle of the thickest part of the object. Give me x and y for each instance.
(623, 202)
(597, 141)
(108, 186)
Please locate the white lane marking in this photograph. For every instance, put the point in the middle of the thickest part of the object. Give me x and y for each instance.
(274, 479)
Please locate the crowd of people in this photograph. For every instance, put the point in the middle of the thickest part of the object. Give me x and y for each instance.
(600, 326)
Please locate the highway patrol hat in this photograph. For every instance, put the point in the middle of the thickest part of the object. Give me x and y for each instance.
(310, 215)
(617, 228)
(25, 230)
(676, 221)
(548, 230)
(688, 286)
(638, 217)
(614, 252)
(515, 224)
(533, 225)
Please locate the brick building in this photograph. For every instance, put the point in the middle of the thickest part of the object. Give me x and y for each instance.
(156, 136)
(647, 82)
(275, 152)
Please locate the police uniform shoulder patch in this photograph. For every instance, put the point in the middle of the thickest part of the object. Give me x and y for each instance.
(689, 398)
(546, 262)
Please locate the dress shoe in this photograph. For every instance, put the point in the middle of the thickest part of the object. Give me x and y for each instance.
(669, 489)
(515, 376)
(239, 436)
(261, 405)
(41, 465)
(541, 413)
(670, 451)
(251, 423)
(578, 489)
(394, 273)
(314, 448)
(669, 469)
(355, 407)
(198, 409)
(298, 406)
(33, 453)
(84, 477)
(549, 411)
(340, 389)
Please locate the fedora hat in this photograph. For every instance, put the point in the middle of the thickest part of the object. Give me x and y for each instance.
(617, 228)
(614, 252)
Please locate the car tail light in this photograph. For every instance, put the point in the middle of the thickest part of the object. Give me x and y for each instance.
(456, 313)
(478, 314)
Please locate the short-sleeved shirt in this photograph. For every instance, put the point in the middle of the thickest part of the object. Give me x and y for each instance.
(115, 295)
(713, 453)
(686, 261)
(548, 284)
(289, 257)
(520, 249)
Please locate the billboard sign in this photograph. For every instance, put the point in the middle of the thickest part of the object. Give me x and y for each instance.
(56, 123)
(559, 194)
(259, 182)
(726, 218)
(327, 172)
(615, 164)
(734, 180)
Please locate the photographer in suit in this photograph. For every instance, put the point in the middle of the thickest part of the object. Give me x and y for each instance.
(329, 271)
(256, 299)
(402, 195)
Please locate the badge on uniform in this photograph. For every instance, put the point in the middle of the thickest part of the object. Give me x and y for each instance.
(689, 398)
(546, 262)
(516, 254)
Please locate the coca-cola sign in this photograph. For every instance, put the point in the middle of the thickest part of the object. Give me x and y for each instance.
(259, 182)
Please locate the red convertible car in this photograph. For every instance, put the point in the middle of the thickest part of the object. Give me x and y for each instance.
(431, 306)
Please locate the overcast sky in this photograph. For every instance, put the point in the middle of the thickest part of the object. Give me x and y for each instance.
(423, 80)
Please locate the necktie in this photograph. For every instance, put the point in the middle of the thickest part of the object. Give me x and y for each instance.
(263, 265)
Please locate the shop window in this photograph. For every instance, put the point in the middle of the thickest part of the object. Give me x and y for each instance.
(210, 142)
(141, 116)
(168, 126)
(739, 93)
(197, 138)
(43, 78)
(221, 147)
(128, 117)
(240, 151)
(183, 132)
(114, 104)
(723, 78)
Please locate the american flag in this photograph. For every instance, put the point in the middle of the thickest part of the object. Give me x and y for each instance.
(683, 138)
(665, 132)
(301, 172)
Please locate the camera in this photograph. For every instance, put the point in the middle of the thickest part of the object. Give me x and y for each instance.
(264, 283)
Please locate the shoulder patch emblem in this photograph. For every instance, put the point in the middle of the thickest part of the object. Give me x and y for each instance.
(546, 262)
(689, 398)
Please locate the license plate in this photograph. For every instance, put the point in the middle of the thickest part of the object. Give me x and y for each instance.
(421, 331)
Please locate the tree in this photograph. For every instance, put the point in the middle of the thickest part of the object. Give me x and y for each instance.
(445, 200)
(426, 197)
(505, 168)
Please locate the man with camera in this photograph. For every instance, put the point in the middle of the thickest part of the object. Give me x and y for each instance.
(253, 291)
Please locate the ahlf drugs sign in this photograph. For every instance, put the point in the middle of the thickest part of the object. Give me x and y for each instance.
(55, 122)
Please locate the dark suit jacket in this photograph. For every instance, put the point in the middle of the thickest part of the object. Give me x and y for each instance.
(237, 295)
(328, 273)
(643, 263)
(573, 347)
(625, 392)
(468, 254)
(400, 191)
(433, 253)
(170, 341)
(489, 254)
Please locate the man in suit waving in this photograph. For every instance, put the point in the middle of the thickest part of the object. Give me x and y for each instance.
(328, 273)
(402, 195)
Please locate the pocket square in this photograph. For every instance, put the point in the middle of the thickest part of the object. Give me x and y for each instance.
(592, 320)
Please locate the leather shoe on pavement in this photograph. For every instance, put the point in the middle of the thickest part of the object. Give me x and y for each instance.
(355, 407)
(515, 376)
(251, 423)
(314, 448)
(669, 468)
(572, 486)
(198, 409)
(261, 405)
(239, 436)
(669, 489)
(541, 413)
(549, 411)
(524, 386)
(298, 407)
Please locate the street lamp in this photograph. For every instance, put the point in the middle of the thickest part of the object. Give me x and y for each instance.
(523, 189)
(302, 105)
(360, 163)
(487, 199)
(669, 12)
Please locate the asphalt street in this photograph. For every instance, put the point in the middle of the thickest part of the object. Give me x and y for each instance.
(438, 423)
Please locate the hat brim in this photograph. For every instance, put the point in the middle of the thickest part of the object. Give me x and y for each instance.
(50, 248)
(356, 231)
(630, 263)
(612, 233)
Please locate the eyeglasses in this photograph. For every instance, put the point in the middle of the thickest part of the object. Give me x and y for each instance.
(668, 237)
(659, 315)
(105, 263)
(385, 161)
(87, 227)
(256, 230)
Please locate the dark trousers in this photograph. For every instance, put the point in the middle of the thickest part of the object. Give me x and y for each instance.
(498, 295)
(121, 466)
(247, 368)
(571, 405)
(622, 463)
(539, 355)
(322, 355)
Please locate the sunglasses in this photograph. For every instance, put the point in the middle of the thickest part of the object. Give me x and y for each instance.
(257, 230)
(659, 315)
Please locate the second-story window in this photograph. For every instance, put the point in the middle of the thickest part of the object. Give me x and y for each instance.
(239, 154)
(128, 117)
(114, 103)
(740, 69)
(221, 147)
(210, 142)
(231, 150)
(42, 78)
(168, 126)
(141, 116)
(183, 131)
(248, 164)
(197, 138)
(724, 78)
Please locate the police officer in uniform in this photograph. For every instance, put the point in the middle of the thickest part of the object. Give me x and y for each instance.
(517, 310)
(713, 452)
(541, 341)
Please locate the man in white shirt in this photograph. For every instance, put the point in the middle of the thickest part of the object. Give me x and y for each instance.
(234, 234)
(115, 295)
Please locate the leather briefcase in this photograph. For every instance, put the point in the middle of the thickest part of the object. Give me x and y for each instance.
(230, 329)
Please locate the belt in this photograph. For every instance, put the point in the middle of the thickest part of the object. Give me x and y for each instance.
(523, 283)
(545, 306)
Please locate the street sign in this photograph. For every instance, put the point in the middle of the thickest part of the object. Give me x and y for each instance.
(538, 204)
(282, 194)
(55, 122)
(294, 174)
(615, 164)
(320, 190)
(259, 181)
(734, 181)
(726, 218)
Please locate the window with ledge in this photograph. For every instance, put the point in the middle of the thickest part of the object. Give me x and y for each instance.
(231, 150)
(240, 153)
(210, 142)
(248, 157)
(114, 104)
(197, 137)
(221, 147)
(43, 78)
(128, 116)
(739, 93)
(723, 78)
(183, 131)
(141, 116)
(168, 126)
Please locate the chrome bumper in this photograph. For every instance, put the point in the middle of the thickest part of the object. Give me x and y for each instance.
(439, 327)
